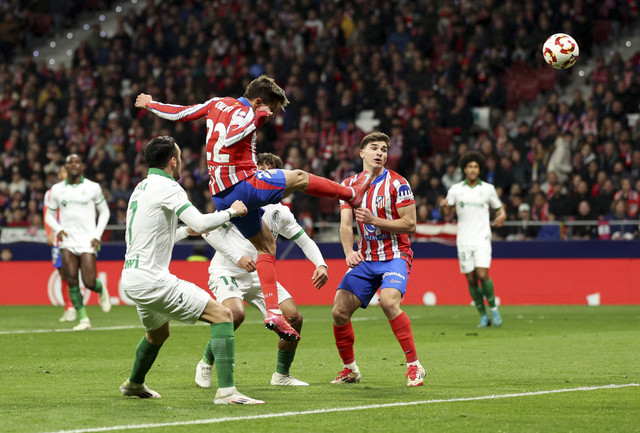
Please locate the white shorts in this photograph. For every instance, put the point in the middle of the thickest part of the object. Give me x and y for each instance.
(78, 251)
(245, 286)
(172, 299)
(471, 257)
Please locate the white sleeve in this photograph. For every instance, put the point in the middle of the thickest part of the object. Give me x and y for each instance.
(103, 218)
(494, 200)
(310, 249)
(205, 222)
(50, 219)
(217, 239)
(181, 233)
(451, 196)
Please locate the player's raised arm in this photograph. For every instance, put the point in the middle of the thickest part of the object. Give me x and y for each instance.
(206, 222)
(175, 113)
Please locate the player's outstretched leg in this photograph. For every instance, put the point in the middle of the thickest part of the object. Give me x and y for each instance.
(323, 187)
(276, 322)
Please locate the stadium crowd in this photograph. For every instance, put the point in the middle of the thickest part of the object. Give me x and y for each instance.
(418, 66)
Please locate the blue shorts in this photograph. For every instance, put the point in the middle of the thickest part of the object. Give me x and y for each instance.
(56, 257)
(263, 188)
(365, 279)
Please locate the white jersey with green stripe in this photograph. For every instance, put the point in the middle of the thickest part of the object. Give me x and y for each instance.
(76, 204)
(472, 208)
(152, 220)
(277, 217)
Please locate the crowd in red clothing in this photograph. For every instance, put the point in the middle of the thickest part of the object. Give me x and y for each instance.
(417, 67)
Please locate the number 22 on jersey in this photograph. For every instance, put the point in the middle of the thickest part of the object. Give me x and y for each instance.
(213, 154)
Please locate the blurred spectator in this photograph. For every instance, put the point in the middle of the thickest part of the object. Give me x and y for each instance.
(616, 220)
(586, 230)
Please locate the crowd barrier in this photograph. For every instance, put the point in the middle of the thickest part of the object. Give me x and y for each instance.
(524, 273)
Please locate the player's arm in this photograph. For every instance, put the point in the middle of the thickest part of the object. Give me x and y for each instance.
(50, 219)
(404, 225)
(312, 252)
(445, 208)
(175, 113)
(501, 216)
(202, 223)
(217, 239)
(103, 219)
(352, 257)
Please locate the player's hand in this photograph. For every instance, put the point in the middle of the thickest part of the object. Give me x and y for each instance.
(95, 244)
(354, 258)
(247, 264)
(263, 114)
(498, 220)
(443, 203)
(320, 276)
(365, 216)
(240, 208)
(192, 232)
(142, 100)
(61, 235)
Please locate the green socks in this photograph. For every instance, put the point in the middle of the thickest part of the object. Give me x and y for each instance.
(208, 354)
(145, 356)
(285, 358)
(223, 347)
(487, 291)
(478, 300)
(76, 300)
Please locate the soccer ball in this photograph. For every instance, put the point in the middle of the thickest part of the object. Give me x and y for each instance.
(560, 51)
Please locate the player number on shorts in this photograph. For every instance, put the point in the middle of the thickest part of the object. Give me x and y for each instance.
(134, 207)
(216, 156)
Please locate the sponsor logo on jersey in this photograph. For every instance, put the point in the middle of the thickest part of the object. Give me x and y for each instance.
(376, 237)
(404, 193)
(392, 274)
(370, 228)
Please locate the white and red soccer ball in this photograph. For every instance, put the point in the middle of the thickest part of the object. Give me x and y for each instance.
(560, 51)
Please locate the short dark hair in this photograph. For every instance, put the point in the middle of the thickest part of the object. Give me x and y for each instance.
(473, 156)
(266, 89)
(270, 159)
(375, 136)
(159, 151)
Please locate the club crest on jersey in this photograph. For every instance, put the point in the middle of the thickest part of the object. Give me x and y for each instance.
(370, 228)
(404, 193)
(381, 201)
(64, 203)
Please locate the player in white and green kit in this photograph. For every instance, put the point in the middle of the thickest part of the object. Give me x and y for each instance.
(233, 279)
(151, 230)
(471, 200)
(76, 198)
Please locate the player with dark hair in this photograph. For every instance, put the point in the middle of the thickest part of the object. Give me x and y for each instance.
(151, 231)
(231, 158)
(471, 199)
(76, 200)
(382, 261)
(233, 281)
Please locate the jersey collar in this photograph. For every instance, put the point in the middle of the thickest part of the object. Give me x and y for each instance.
(66, 181)
(244, 101)
(478, 184)
(381, 177)
(160, 172)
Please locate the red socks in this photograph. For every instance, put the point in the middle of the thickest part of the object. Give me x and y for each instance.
(266, 267)
(401, 327)
(323, 187)
(344, 342)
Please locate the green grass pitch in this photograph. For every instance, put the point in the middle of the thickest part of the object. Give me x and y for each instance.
(505, 379)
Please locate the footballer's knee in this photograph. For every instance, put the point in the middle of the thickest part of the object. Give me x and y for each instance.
(238, 318)
(340, 315)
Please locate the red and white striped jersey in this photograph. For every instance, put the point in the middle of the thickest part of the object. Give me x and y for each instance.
(387, 193)
(231, 138)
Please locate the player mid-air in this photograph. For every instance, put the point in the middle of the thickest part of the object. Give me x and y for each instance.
(231, 159)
